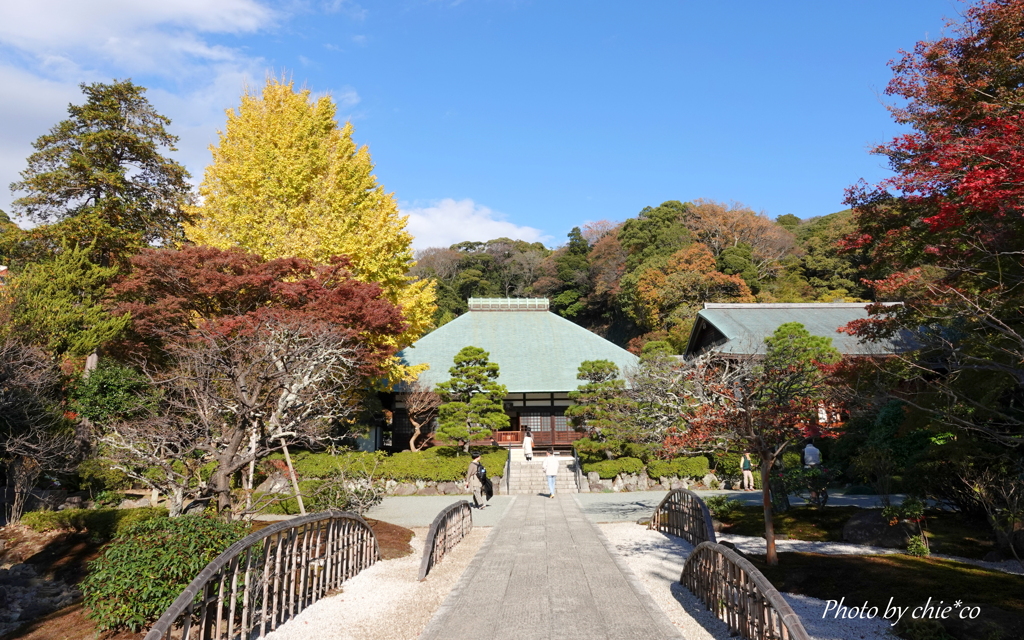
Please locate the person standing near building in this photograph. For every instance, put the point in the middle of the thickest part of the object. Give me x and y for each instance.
(551, 471)
(476, 476)
(528, 445)
(748, 475)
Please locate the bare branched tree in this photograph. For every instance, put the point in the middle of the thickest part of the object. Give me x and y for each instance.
(233, 397)
(36, 438)
(999, 487)
(421, 405)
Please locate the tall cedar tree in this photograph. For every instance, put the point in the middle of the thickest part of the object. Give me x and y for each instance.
(250, 354)
(761, 405)
(102, 176)
(473, 407)
(950, 243)
(287, 182)
(57, 304)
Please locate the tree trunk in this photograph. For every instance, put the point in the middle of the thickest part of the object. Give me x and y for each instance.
(252, 471)
(293, 477)
(771, 557)
(175, 502)
(415, 434)
(24, 472)
(222, 489)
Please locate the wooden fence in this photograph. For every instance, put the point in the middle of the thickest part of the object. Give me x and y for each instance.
(268, 577)
(448, 529)
(740, 595)
(682, 513)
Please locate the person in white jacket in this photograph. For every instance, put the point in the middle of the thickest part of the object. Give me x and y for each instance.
(528, 445)
(551, 471)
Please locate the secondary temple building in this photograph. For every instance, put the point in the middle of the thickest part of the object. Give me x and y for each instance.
(538, 354)
(740, 328)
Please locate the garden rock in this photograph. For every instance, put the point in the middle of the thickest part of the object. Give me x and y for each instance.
(449, 488)
(275, 483)
(710, 481)
(618, 484)
(427, 491)
(594, 477)
(405, 489)
(73, 502)
(870, 528)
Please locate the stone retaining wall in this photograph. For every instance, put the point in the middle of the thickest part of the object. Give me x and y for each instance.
(432, 488)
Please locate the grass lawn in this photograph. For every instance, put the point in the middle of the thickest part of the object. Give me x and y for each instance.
(909, 581)
(799, 523)
(948, 532)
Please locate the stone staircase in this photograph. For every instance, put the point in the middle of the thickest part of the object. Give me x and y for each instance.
(528, 477)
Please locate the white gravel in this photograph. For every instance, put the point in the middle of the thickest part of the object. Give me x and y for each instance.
(756, 546)
(657, 560)
(385, 602)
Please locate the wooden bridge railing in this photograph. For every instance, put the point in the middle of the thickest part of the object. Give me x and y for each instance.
(682, 513)
(740, 595)
(448, 529)
(268, 577)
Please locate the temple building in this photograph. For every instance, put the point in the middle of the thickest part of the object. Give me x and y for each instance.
(538, 354)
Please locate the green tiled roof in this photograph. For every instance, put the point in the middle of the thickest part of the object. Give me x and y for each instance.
(742, 328)
(535, 349)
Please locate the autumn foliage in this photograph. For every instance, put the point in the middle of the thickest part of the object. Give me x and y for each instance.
(170, 294)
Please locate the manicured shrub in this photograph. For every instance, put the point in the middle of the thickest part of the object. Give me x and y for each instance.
(721, 507)
(608, 469)
(918, 546)
(438, 464)
(141, 572)
(693, 467)
(101, 523)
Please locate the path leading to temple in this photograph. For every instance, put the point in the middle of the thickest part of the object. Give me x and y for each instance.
(545, 573)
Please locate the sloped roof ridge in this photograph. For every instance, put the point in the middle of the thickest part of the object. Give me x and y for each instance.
(795, 305)
(508, 304)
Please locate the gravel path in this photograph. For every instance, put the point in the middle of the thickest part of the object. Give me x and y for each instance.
(385, 602)
(756, 546)
(657, 560)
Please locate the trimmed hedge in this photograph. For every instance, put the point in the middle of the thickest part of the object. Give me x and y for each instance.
(102, 523)
(695, 467)
(608, 469)
(438, 464)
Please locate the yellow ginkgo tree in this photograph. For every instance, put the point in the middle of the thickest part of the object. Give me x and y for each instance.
(287, 181)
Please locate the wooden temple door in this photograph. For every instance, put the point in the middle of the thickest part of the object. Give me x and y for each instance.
(548, 429)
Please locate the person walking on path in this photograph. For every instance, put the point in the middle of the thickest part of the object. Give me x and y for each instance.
(551, 471)
(748, 475)
(476, 476)
(528, 445)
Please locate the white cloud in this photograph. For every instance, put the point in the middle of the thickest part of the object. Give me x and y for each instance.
(46, 24)
(449, 221)
(29, 106)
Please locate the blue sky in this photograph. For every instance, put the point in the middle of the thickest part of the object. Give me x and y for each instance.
(504, 117)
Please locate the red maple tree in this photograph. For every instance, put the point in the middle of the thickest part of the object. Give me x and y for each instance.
(249, 354)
